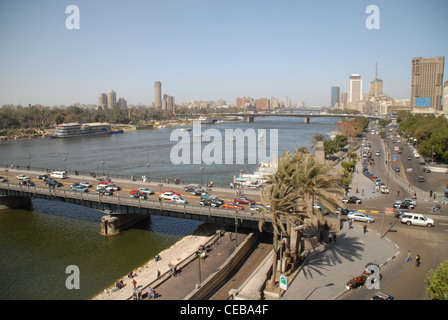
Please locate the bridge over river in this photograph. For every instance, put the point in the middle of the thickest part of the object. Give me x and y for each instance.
(124, 211)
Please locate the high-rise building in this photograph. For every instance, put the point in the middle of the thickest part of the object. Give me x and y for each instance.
(427, 85)
(111, 99)
(102, 100)
(262, 104)
(167, 102)
(122, 103)
(354, 88)
(287, 102)
(343, 99)
(445, 98)
(376, 86)
(334, 95)
(158, 95)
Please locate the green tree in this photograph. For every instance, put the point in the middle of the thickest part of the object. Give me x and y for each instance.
(437, 282)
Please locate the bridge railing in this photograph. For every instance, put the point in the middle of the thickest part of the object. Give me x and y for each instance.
(31, 191)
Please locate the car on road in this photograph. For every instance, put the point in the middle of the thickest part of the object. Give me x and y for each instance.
(258, 206)
(209, 202)
(179, 200)
(409, 158)
(213, 198)
(382, 296)
(43, 176)
(427, 170)
(360, 216)
(416, 219)
(421, 179)
(399, 213)
(27, 182)
(416, 155)
(138, 195)
(2, 179)
(352, 199)
(373, 178)
(199, 192)
(192, 187)
(398, 204)
(378, 153)
(104, 191)
(85, 184)
(168, 195)
(53, 183)
(22, 177)
(244, 200)
(146, 190)
(232, 205)
(343, 211)
(397, 169)
(383, 188)
(80, 188)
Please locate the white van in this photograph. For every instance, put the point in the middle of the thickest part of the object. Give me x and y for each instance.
(58, 174)
(416, 219)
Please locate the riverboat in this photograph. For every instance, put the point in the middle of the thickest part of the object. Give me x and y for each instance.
(74, 129)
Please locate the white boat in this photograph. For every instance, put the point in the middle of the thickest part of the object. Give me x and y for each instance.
(258, 177)
(74, 129)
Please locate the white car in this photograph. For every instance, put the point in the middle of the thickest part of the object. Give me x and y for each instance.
(360, 216)
(85, 184)
(179, 199)
(22, 177)
(416, 155)
(416, 219)
(146, 190)
(168, 195)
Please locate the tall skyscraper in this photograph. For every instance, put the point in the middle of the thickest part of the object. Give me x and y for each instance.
(102, 100)
(335, 95)
(354, 88)
(287, 102)
(111, 99)
(158, 95)
(427, 85)
(445, 98)
(376, 86)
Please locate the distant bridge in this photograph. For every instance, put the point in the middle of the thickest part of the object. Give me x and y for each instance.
(124, 211)
(251, 116)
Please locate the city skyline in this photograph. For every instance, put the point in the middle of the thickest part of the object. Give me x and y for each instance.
(210, 50)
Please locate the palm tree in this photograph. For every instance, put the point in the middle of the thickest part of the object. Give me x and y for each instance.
(317, 179)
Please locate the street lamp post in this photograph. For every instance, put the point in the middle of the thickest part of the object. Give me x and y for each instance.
(199, 252)
(202, 175)
(102, 162)
(147, 166)
(65, 164)
(326, 285)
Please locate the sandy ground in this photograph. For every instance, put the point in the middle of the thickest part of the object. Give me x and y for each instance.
(148, 272)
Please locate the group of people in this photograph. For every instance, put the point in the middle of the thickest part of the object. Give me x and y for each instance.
(417, 259)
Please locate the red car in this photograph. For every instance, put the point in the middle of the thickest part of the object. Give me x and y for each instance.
(231, 205)
(373, 178)
(243, 200)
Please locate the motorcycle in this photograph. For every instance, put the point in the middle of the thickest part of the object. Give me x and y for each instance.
(436, 208)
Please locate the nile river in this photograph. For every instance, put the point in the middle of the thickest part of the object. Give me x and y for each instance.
(36, 246)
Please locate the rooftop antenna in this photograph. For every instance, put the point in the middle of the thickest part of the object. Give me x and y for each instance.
(376, 71)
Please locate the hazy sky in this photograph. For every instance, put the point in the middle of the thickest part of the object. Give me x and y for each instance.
(210, 49)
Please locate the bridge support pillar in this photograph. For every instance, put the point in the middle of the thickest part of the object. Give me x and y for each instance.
(250, 119)
(112, 225)
(9, 202)
(307, 120)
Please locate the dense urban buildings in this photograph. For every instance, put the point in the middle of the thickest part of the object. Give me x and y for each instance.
(427, 85)
(262, 104)
(111, 99)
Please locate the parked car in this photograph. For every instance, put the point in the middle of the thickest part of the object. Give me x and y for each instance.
(146, 190)
(352, 199)
(383, 188)
(232, 205)
(243, 200)
(416, 219)
(360, 216)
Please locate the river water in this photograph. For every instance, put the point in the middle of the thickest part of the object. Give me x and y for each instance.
(37, 245)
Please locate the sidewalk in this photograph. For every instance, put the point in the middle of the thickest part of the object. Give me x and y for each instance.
(332, 265)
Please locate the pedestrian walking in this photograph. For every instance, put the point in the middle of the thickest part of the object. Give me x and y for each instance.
(158, 274)
(365, 227)
(330, 237)
(134, 283)
(398, 193)
(230, 236)
(350, 222)
(357, 189)
(417, 261)
(409, 259)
